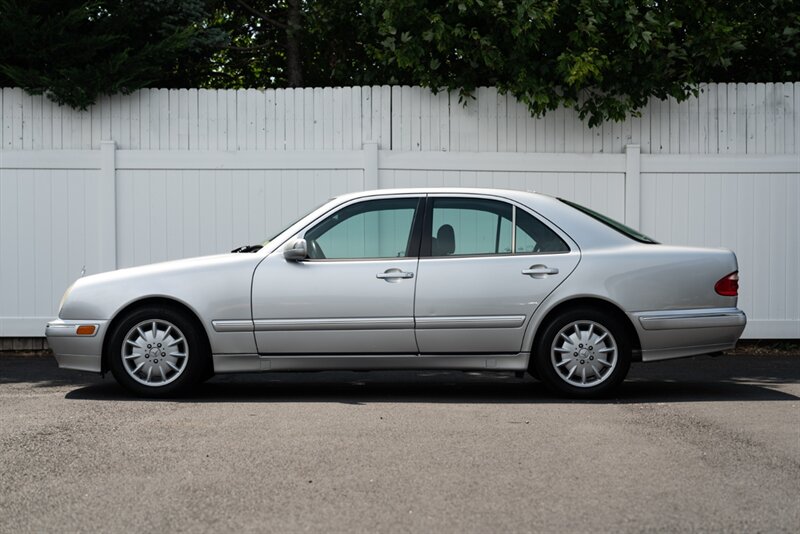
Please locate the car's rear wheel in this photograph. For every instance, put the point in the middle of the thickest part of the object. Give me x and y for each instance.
(582, 353)
(158, 352)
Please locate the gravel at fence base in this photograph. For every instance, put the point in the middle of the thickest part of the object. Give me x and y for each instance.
(23, 344)
(783, 347)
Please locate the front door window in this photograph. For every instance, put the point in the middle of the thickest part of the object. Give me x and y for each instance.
(373, 229)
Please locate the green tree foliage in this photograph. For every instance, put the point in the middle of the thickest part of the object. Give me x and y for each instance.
(76, 50)
(603, 57)
(769, 33)
(331, 40)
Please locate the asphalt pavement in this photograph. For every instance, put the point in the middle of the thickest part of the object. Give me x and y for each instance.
(702, 444)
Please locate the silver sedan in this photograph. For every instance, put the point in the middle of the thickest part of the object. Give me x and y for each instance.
(461, 279)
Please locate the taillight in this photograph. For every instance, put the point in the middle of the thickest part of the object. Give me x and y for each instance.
(728, 286)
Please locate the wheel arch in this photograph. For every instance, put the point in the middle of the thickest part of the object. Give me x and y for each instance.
(146, 302)
(596, 303)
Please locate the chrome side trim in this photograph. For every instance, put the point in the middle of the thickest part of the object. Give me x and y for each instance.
(235, 363)
(62, 328)
(344, 323)
(470, 321)
(685, 352)
(237, 325)
(678, 319)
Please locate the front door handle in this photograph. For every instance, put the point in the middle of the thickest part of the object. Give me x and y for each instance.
(539, 271)
(394, 274)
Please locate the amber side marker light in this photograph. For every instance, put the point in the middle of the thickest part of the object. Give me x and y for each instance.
(86, 330)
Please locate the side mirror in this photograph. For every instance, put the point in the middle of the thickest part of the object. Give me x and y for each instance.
(295, 250)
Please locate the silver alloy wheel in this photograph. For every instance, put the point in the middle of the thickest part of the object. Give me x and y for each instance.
(584, 354)
(155, 352)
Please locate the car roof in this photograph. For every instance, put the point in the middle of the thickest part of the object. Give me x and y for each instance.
(508, 193)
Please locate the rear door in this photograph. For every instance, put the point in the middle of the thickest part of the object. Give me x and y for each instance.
(485, 267)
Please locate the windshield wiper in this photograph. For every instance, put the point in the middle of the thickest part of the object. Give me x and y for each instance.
(247, 248)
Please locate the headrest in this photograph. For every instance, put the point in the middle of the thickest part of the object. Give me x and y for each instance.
(445, 243)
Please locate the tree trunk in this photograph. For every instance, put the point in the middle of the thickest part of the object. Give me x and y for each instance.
(294, 64)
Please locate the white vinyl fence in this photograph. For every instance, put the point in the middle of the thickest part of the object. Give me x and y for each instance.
(160, 175)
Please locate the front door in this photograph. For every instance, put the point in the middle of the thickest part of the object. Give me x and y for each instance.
(355, 292)
(484, 268)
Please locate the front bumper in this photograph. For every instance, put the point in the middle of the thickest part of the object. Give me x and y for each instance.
(679, 333)
(73, 351)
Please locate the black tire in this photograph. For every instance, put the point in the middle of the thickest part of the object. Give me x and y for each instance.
(550, 363)
(194, 367)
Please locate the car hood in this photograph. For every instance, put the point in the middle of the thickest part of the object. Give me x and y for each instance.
(215, 278)
(186, 265)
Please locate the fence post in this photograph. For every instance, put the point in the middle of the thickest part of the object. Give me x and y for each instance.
(633, 185)
(108, 206)
(370, 165)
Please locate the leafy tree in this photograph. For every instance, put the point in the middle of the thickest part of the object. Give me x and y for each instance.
(769, 32)
(76, 50)
(603, 57)
(293, 43)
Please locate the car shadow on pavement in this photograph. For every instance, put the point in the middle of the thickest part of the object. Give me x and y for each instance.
(450, 387)
(701, 379)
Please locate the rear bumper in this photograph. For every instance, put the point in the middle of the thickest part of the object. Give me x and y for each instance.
(689, 319)
(679, 333)
(73, 351)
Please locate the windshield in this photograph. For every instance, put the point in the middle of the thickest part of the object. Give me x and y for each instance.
(318, 206)
(618, 226)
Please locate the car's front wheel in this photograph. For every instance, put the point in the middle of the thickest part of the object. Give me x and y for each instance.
(582, 353)
(158, 352)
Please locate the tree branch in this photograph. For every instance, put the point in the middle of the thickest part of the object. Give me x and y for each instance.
(254, 47)
(262, 15)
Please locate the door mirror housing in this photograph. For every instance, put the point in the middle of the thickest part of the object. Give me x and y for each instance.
(296, 250)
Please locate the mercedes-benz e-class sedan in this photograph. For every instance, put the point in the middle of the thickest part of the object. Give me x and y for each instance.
(459, 279)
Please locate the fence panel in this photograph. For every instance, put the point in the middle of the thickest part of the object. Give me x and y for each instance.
(721, 119)
(171, 214)
(48, 235)
(752, 214)
(200, 171)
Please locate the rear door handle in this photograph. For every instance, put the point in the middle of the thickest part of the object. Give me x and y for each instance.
(394, 274)
(539, 271)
